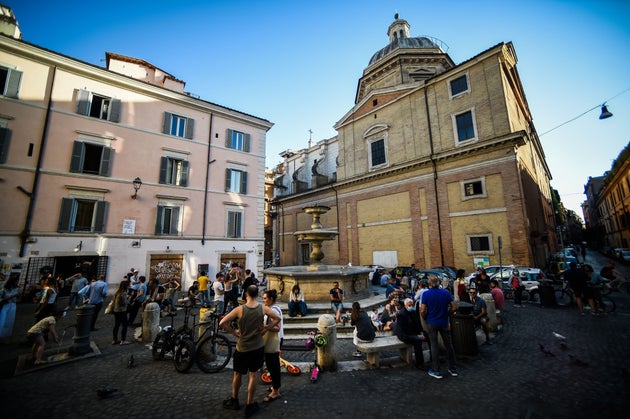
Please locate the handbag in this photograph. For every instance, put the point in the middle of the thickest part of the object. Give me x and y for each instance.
(110, 307)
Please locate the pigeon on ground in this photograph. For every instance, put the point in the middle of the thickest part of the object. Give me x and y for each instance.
(131, 361)
(545, 351)
(105, 392)
(576, 361)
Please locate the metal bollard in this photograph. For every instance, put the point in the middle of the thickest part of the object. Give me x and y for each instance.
(150, 322)
(326, 354)
(82, 329)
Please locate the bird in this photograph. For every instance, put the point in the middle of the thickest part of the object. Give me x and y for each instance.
(559, 336)
(577, 361)
(105, 392)
(131, 361)
(545, 351)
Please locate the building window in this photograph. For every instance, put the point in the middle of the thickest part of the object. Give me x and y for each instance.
(377, 153)
(235, 224)
(473, 188)
(237, 140)
(459, 85)
(167, 220)
(464, 126)
(10, 82)
(84, 215)
(235, 181)
(5, 139)
(174, 171)
(98, 106)
(89, 158)
(481, 243)
(178, 126)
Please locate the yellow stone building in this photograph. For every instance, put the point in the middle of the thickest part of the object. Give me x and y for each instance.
(436, 164)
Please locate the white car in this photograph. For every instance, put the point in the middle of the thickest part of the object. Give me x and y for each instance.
(491, 271)
(531, 278)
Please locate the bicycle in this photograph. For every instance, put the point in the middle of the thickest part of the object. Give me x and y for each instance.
(211, 351)
(167, 341)
(565, 296)
(616, 285)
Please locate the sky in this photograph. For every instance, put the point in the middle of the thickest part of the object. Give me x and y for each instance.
(297, 63)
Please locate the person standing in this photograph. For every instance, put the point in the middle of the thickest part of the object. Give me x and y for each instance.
(232, 280)
(8, 297)
(250, 279)
(297, 305)
(97, 294)
(497, 294)
(364, 330)
(219, 294)
(336, 301)
(204, 294)
(517, 288)
(273, 341)
(48, 303)
(250, 347)
(578, 281)
(78, 283)
(460, 284)
(121, 300)
(138, 300)
(434, 309)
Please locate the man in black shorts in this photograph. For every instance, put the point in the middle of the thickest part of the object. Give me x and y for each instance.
(578, 279)
(250, 348)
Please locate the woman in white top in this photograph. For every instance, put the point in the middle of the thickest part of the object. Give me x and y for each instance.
(273, 341)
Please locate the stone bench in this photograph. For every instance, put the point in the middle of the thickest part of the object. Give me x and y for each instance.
(381, 344)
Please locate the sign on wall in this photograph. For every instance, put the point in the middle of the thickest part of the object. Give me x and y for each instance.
(166, 266)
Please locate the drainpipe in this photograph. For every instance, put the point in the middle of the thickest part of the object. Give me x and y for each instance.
(435, 176)
(26, 232)
(205, 194)
(338, 227)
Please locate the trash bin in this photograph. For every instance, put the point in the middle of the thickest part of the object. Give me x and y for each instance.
(547, 294)
(463, 330)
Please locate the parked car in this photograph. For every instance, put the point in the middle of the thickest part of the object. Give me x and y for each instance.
(619, 251)
(445, 280)
(531, 278)
(625, 256)
(451, 271)
(492, 270)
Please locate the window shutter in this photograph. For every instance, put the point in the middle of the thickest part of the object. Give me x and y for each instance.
(114, 110)
(158, 219)
(5, 139)
(13, 83)
(106, 158)
(83, 102)
(228, 179)
(190, 127)
(166, 124)
(163, 166)
(246, 142)
(76, 162)
(65, 214)
(228, 138)
(243, 182)
(183, 180)
(174, 221)
(101, 211)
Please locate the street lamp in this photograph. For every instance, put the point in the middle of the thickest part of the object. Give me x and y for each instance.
(137, 182)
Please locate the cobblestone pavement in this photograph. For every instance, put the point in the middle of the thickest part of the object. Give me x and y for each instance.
(512, 378)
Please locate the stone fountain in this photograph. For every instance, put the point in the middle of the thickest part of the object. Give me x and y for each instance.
(316, 279)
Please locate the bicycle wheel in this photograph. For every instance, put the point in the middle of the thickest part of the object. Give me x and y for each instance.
(157, 349)
(563, 298)
(609, 305)
(184, 355)
(213, 353)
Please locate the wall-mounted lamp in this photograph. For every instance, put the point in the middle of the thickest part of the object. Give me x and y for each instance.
(137, 182)
(135, 243)
(168, 249)
(78, 247)
(233, 249)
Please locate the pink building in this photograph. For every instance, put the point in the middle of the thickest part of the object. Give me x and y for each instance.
(74, 137)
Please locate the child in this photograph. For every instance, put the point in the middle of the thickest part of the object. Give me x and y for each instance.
(37, 332)
(375, 320)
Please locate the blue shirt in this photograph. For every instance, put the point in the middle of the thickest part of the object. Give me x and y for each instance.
(98, 291)
(437, 301)
(142, 287)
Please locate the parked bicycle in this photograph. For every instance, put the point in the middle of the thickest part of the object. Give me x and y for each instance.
(168, 340)
(211, 351)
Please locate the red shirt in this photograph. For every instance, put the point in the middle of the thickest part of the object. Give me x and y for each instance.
(499, 298)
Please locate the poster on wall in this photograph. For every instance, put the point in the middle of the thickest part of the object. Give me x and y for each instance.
(166, 266)
(481, 262)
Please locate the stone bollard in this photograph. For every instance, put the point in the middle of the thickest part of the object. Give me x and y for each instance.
(150, 322)
(493, 321)
(81, 338)
(326, 354)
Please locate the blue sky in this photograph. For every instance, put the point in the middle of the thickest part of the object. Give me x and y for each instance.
(297, 63)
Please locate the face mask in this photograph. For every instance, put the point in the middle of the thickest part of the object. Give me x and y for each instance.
(410, 309)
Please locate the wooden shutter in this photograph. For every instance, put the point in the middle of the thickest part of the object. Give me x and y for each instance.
(246, 140)
(83, 102)
(228, 179)
(243, 182)
(190, 127)
(106, 158)
(114, 110)
(183, 179)
(5, 139)
(101, 212)
(65, 215)
(166, 124)
(76, 162)
(13, 83)
(163, 166)
(228, 138)
(174, 221)
(158, 219)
